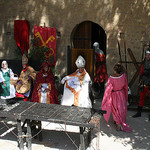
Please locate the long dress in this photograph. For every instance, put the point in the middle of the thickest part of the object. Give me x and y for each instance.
(8, 90)
(115, 100)
(43, 82)
(76, 90)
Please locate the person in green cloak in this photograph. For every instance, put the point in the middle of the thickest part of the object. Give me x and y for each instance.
(8, 90)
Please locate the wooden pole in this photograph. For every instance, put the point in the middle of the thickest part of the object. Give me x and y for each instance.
(125, 51)
(119, 50)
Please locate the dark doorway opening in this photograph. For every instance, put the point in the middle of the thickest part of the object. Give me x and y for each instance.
(98, 35)
(86, 33)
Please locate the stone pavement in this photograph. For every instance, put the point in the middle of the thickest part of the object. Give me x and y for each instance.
(62, 139)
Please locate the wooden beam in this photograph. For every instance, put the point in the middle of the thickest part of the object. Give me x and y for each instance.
(136, 66)
(133, 59)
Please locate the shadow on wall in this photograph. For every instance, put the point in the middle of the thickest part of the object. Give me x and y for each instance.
(52, 13)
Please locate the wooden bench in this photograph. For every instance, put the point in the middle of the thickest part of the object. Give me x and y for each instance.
(68, 115)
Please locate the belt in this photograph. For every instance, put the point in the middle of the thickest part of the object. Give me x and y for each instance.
(116, 90)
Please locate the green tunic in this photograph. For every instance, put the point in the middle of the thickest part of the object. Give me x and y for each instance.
(6, 89)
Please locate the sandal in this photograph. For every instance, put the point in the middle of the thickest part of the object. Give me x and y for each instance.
(118, 127)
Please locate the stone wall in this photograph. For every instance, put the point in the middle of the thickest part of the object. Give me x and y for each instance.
(123, 20)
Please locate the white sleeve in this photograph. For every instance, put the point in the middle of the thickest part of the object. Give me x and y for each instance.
(87, 79)
(1, 77)
(63, 80)
(11, 73)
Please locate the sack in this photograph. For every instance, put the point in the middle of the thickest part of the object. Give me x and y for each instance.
(14, 80)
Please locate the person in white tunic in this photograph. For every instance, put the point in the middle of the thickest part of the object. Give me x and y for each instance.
(5, 75)
(76, 87)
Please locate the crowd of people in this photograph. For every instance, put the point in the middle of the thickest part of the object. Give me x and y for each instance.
(40, 87)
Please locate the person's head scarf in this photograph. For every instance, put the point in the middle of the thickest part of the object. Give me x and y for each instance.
(4, 61)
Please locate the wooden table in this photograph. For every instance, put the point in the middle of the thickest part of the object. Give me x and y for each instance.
(29, 111)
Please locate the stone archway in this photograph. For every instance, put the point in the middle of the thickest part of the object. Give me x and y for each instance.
(86, 33)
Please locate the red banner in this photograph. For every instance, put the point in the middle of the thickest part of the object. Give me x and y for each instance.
(21, 33)
(47, 38)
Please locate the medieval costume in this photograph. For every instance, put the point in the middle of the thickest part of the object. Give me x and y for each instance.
(26, 79)
(76, 88)
(144, 83)
(101, 70)
(44, 88)
(115, 101)
(8, 90)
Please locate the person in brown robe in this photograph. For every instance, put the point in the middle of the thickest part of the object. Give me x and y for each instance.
(27, 77)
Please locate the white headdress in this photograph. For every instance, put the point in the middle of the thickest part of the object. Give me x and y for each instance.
(4, 61)
(80, 62)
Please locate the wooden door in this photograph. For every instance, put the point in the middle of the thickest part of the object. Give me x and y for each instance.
(83, 36)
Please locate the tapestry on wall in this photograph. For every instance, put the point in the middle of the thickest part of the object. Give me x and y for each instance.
(21, 34)
(47, 38)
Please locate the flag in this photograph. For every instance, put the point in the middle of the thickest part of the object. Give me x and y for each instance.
(47, 38)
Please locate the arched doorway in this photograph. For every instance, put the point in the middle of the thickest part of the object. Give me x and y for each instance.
(86, 33)
(82, 38)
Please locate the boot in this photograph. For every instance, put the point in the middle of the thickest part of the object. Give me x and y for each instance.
(138, 114)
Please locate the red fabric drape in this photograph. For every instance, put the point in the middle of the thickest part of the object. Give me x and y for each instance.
(21, 33)
(47, 36)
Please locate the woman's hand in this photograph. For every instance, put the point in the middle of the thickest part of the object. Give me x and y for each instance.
(4, 83)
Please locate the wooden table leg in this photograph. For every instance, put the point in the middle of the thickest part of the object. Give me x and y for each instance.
(82, 140)
(29, 136)
(20, 137)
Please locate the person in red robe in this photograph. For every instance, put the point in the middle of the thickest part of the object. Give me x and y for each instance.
(101, 70)
(44, 88)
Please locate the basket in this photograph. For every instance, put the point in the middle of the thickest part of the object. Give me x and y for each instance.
(14, 80)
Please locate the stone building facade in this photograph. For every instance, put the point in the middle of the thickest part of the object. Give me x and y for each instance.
(126, 21)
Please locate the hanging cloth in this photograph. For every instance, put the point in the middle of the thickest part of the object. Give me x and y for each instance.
(21, 33)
